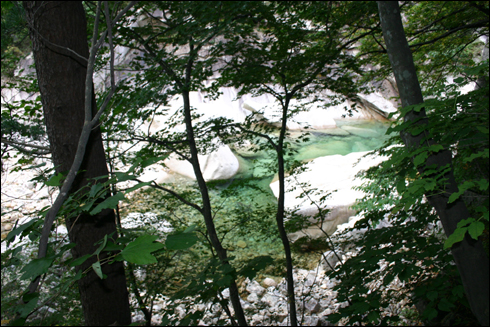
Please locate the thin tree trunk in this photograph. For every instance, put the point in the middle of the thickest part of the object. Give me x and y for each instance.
(206, 210)
(280, 215)
(469, 255)
(54, 27)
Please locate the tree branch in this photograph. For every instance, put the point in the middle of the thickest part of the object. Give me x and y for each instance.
(193, 205)
(16, 143)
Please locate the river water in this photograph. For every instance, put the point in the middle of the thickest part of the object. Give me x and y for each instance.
(244, 207)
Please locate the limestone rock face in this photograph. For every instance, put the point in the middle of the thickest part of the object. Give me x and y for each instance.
(219, 164)
(327, 174)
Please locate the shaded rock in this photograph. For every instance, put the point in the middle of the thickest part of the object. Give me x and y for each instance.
(312, 305)
(241, 244)
(254, 287)
(252, 298)
(270, 300)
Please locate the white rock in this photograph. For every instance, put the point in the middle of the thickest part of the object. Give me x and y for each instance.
(310, 321)
(269, 282)
(252, 298)
(270, 300)
(310, 279)
(257, 319)
(220, 164)
(332, 259)
(226, 293)
(312, 305)
(254, 287)
(328, 174)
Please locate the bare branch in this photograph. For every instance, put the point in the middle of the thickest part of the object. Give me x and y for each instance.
(16, 143)
(155, 185)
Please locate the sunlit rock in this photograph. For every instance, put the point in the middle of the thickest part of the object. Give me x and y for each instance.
(269, 282)
(326, 174)
(219, 164)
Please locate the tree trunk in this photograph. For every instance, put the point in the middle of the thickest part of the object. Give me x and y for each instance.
(55, 26)
(206, 209)
(469, 255)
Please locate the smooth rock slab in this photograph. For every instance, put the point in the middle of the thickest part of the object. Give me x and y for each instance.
(326, 174)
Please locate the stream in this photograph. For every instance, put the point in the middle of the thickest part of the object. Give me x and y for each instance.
(245, 206)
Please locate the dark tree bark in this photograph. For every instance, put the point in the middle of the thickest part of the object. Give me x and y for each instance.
(469, 255)
(56, 27)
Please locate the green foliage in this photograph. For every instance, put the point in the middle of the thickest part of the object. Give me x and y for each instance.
(408, 245)
(443, 37)
(180, 241)
(139, 250)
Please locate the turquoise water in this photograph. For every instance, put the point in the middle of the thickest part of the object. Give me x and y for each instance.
(352, 136)
(244, 207)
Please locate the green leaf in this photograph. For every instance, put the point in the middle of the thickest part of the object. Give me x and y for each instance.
(483, 184)
(151, 161)
(13, 233)
(476, 229)
(420, 159)
(373, 316)
(430, 313)
(458, 291)
(455, 237)
(465, 222)
(98, 270)
(181, 241)
(27, 308)
(79, 261)
(255, 265)
(136, 164)
(55, 180)
(36, 267)
(432, 295)
(430, 185)
(109, 203)
(445, 305)
(436, 148)
(113, 247)
(482, 154)
(401, 186)
(122, 177)
(360, 307)
(139, 251)
(462, 188)
(95, 189)
(191, 228)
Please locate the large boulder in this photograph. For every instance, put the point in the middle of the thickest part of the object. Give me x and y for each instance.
(219, 164)
(327, 174)
(369, 107)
